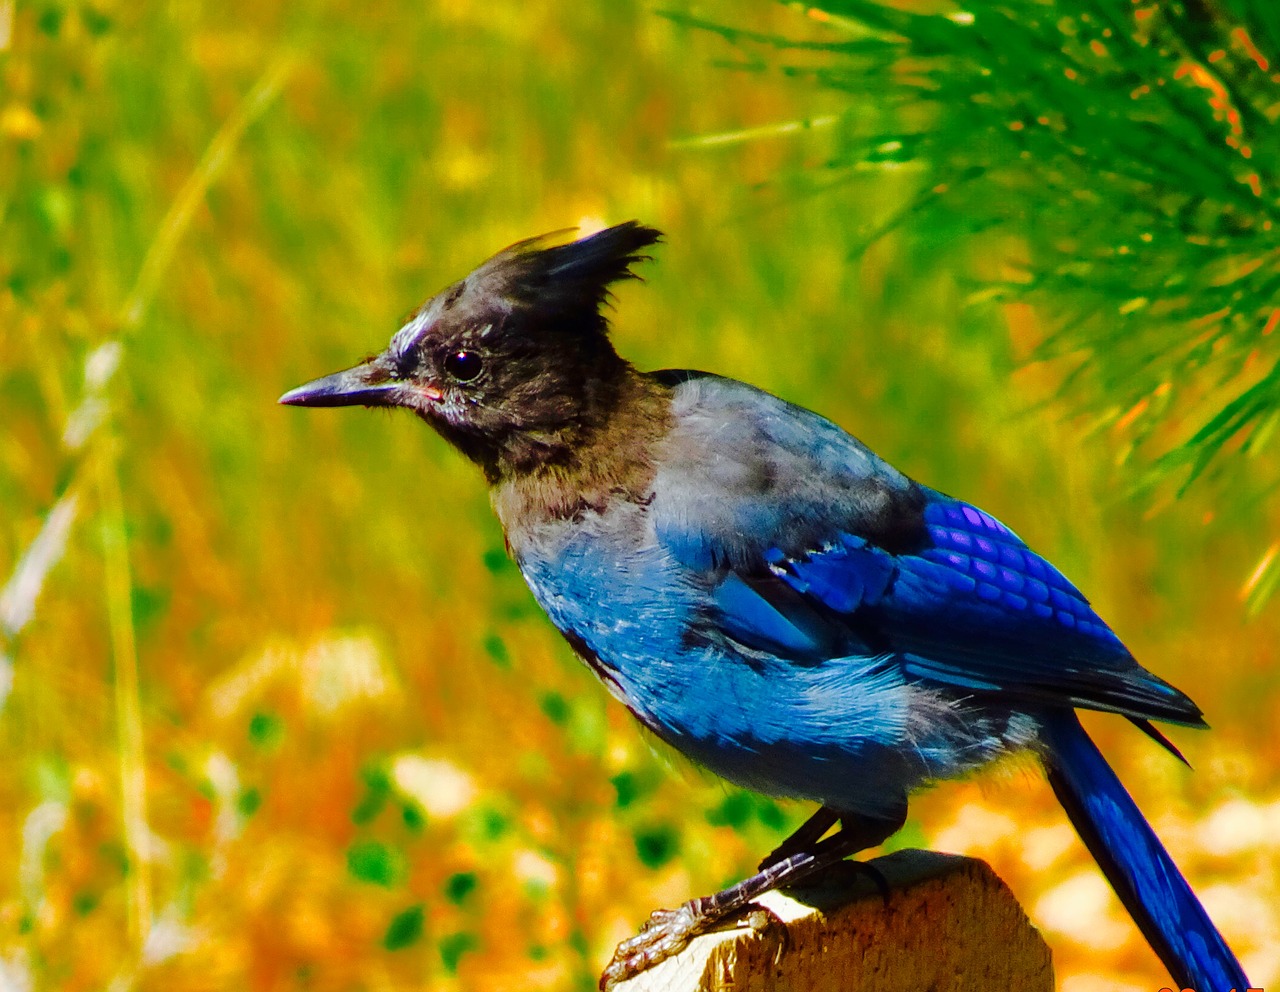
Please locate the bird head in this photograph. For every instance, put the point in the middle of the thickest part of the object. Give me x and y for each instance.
(512, 363)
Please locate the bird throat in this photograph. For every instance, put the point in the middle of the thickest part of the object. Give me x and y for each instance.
(610, 458)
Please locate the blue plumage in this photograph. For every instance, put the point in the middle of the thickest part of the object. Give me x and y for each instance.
(767, 595)
(1135, 862)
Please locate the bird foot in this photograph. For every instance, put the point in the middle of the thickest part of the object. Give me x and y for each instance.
(800, 859)
(667, 932)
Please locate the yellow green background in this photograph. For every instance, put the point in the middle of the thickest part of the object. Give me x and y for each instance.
(284, 716)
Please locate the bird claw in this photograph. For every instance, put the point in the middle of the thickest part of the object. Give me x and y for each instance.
(667, 932)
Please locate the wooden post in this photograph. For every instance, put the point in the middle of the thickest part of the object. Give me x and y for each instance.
(950, 925)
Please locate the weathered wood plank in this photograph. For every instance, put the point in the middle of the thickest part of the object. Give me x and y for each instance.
(950, 925)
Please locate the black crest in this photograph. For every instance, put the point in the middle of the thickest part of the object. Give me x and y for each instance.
(568, 282)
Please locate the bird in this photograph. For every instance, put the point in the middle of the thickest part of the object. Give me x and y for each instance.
(768, 596)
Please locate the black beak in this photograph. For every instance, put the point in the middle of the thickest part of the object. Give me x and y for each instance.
(369, 384)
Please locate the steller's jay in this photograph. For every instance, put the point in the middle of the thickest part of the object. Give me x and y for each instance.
(768, 596)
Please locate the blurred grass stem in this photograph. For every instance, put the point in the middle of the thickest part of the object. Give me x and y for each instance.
(18, 597)
(128, 703)
(779, 129)
(178, 218)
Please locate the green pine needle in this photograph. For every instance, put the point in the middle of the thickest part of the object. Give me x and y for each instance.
(1128, 150)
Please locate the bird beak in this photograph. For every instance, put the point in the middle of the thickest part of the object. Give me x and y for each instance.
(368, 384)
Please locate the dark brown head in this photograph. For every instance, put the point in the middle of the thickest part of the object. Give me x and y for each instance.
(513, 364)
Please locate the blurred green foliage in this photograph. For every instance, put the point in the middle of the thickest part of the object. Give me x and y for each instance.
(281, 714)
(1131, 150)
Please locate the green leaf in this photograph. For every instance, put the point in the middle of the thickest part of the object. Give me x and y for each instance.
(496, 649)
(555, 707)
(266, 730)
(656, 845)
(770, 813)
(374, 862)
(453, 947)
(734, 811)
(377, 786)
(249, 801)
(405, 928)
(458, 886)
(496, 561)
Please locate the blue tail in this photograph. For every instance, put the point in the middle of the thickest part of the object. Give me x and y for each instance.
(1136, 863)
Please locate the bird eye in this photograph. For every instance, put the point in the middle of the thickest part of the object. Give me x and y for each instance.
(465, 366)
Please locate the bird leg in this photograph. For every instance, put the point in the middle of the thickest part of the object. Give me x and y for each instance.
(804, 836)
(799, 858)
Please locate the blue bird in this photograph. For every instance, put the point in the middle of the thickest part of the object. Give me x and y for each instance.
(768, 596)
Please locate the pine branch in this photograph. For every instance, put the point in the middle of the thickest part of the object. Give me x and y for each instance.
(1132, 150)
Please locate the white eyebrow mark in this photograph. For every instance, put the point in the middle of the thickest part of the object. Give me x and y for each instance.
(411, 333)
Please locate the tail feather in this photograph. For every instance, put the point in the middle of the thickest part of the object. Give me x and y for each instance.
(1136, 863)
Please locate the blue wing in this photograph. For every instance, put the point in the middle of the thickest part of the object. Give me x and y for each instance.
(839, 554)
(976, 609)
(973, 608)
